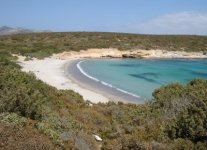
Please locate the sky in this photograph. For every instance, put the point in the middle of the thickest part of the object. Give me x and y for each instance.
(133, 16)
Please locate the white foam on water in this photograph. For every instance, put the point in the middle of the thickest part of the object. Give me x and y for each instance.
(102, 82)
(84, 73)
(107, 84)
(127, 92)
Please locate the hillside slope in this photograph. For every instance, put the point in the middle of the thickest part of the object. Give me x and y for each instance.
(36, 115)
(45, 44)
(5, 30)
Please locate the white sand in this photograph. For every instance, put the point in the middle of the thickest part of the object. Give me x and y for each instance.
(51, 71)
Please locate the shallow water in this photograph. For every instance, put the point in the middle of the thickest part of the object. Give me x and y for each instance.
(141, 76)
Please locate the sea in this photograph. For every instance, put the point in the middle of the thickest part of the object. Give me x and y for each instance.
(140, 77)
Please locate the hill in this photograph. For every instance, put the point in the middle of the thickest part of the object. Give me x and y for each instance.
(45, 44)
(34, 115)
(6, 30)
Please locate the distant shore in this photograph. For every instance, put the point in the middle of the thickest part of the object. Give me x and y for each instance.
(115, 53)
(60, 71)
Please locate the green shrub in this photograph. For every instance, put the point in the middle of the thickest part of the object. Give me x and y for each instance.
(185, 108)
(13, 119)
(48, 130)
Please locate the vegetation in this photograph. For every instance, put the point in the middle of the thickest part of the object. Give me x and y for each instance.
(34, 115)
(44, 44)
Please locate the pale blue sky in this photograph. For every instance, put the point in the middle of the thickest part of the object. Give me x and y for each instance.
(138, 16)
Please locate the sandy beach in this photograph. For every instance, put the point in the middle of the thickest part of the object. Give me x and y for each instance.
(60, 71)
(51, 71)
(64, 74)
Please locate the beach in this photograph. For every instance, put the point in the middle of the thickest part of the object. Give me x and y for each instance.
(77, 74)
(51, 71)
(61, 71)
(64, 75)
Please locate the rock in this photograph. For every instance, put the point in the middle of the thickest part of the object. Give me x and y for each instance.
(128, 56)
(97, 138)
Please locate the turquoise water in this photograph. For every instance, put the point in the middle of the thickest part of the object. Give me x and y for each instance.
(142, 76)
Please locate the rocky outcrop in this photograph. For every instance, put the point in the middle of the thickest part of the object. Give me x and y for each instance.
(129, 56)
(115, 53)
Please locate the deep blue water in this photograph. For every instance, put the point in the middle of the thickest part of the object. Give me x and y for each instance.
(142, 76)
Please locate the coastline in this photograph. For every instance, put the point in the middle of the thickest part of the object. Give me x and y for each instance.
(86, 81)
(51, 71)
(115, 53)
(60, 71)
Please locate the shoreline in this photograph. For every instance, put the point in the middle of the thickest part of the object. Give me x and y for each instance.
(110, 92)
(51, 71)
(55, 71)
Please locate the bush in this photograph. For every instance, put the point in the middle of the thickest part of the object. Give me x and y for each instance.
(185, 108)
(13, 119)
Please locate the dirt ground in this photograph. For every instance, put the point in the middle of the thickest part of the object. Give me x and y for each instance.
(27, 138)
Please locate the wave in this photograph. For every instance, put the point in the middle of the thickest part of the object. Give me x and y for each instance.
(102, 82)
(107, 84)
(123, 91)
(81, 70)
